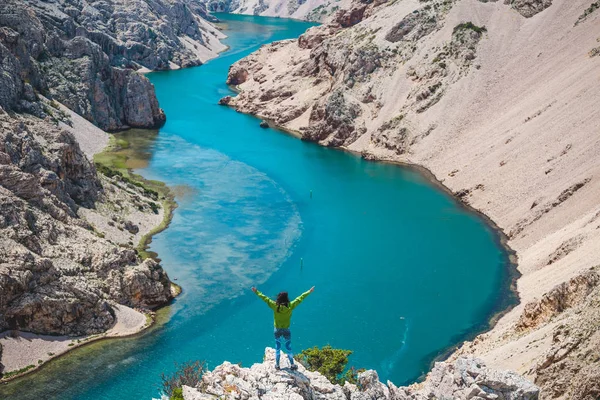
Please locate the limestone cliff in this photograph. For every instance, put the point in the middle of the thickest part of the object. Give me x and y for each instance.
(58, 274)
(84, 54)
(498, 101)
(466, 378)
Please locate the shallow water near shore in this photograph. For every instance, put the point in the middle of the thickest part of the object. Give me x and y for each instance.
(402, 271)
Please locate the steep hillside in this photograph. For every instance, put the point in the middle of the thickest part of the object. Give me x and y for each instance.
(58, 274)
(68, 234)
(309, 10)
(499, 101)
(85, 54)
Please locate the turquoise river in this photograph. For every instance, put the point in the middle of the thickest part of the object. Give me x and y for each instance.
(402, 271)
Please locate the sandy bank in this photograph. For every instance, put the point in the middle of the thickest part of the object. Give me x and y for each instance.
(28, 351)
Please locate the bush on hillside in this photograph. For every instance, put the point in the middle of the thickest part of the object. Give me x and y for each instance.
(189, 373)
(471, 26)
(330, 362)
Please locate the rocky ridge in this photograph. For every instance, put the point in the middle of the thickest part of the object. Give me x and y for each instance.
(494, 99)
(61, 60)
(85, 55)
(466, 378)
(58, 274)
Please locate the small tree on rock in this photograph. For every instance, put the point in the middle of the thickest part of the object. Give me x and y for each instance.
(330, 362)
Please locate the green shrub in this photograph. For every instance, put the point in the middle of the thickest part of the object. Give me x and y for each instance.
(471, 26)
(177, 394)
(154, 207)
(189, 373)
(593, 7)
(330, 362)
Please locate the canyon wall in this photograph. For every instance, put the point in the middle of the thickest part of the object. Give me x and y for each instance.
(499, 101)
(65, 66)
(85, 55)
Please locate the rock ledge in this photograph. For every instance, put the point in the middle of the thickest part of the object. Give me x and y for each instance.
(465, 378)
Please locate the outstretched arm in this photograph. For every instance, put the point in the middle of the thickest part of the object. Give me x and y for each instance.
(264, 298)
(299, 299)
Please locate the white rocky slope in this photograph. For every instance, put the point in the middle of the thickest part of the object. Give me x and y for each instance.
(507, 117)
(465, 378)
(310, 10)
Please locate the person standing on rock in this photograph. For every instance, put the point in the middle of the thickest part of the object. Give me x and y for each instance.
(282, 315)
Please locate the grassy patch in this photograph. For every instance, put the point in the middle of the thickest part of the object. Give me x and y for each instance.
(12, 374)
(129, 150)
(149, 319)
(175, 289)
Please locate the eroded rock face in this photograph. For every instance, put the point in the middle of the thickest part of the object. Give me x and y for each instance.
(57, 274)
(466, 378)
(85, 55)
(570, 368)
(529, 8)
(345, 63)
(562, 297)
(335, 117)
(237, 75)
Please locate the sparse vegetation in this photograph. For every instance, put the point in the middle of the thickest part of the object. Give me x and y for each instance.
(117, 161)
(471, 26)
(593, 7)
(53, 111)
(189, 374)
(330, 362)
(111, 173)
(12, 374)
(177, 394)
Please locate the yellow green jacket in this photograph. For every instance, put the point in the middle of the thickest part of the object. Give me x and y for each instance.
(284, 315)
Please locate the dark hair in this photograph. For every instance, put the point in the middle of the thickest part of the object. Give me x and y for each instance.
(282, 299)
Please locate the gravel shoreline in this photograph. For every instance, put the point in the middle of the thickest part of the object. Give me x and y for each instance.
(28, 351)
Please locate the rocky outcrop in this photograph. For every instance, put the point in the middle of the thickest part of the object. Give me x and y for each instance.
(237, 75)
(528, 8)
(570, 367)
(58, 275)
(85, 55)
(343, 61)
(562, 297)
(336, 117)
(466, 378)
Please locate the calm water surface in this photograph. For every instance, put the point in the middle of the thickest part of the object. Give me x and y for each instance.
(402, 272)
